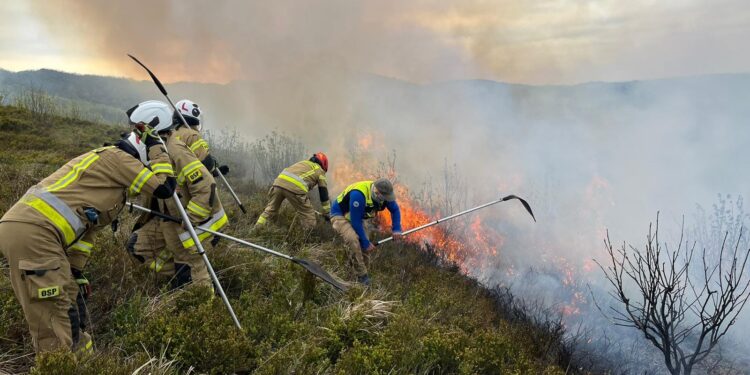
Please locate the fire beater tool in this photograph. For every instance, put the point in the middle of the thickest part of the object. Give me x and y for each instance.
(185, 217)
(310, 266)
(438, 221)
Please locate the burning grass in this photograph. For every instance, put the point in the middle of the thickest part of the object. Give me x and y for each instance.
(466, 242)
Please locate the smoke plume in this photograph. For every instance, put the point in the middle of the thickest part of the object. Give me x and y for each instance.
(588, 157)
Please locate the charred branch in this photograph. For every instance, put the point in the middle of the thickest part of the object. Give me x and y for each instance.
(681, 308)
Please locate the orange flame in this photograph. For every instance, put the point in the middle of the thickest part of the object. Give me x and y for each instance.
(469, 242)
(365, 142)
(466, 244)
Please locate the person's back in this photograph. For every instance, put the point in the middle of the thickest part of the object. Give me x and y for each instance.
(47, 236)
(85, 194)
(302, 176)
(358, 202)
(293, 185)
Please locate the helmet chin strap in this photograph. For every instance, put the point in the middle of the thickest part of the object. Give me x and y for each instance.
(139, 130)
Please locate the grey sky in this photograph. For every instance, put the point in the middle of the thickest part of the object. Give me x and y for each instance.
(537, 42)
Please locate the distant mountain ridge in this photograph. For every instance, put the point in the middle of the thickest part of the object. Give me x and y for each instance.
(320, 104)
(118, 92)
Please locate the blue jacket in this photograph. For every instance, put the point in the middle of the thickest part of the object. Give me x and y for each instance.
(357, 215)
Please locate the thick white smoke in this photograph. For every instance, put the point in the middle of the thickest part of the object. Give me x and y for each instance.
(588, 157)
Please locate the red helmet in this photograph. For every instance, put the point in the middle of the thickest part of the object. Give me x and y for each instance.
(321, 159)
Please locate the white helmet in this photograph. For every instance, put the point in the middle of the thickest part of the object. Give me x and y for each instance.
(139, 146)
(191, 112)
(156, 114)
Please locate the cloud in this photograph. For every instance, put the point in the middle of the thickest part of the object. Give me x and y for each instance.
(535, 42)
(552, 42)
(201, 41)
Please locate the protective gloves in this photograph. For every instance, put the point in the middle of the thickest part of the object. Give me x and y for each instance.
(223, 169)
(84, 287)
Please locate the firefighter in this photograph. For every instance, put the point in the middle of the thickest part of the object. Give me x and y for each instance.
(191, 136)
(293, 184)
(47, 236)
(359, 201)
(164, 246)
(152, 245)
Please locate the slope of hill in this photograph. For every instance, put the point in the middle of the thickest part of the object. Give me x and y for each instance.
(421, 316)
(589, 156)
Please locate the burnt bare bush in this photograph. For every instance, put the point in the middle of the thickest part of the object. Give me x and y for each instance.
(681, 312)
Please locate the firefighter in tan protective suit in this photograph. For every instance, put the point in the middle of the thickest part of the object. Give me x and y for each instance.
(47, 236)
(293, 184)
(166, 247)
(191, 136)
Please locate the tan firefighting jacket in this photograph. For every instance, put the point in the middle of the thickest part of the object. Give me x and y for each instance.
(303, 176)
(87, 194)
(196, 188)
(195, 142)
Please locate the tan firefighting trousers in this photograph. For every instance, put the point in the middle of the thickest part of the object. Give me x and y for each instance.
(157, 245)
(300, 203)
(44, 285)
(358, 259)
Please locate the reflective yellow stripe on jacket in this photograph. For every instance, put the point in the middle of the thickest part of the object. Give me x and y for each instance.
(190, 168)
(197, 144)
(293, 178)
(198, 210)
(362, 186)
(162, 168)
(299, 180)
(55, 209)
(365, 187)
(74, 173)
(140, 180)
(217, 222)
(59, 213)
(313, 167)
(62, 216)
(82, 246)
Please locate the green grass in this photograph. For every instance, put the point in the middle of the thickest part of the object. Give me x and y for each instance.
(417, 318)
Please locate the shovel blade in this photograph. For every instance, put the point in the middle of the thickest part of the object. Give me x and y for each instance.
(523, 202)
(318, 271)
